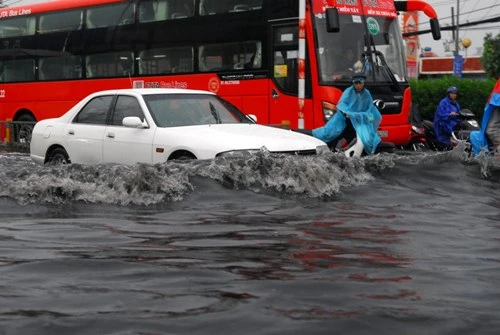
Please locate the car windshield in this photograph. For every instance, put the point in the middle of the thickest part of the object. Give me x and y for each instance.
(176, 110)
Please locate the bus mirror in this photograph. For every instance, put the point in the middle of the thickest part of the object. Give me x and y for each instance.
(436, 31)
(332, 20)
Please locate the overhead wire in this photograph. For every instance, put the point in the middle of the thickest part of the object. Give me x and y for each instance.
(467, 24)
(472, 10)
(464, 32)
(484, 17)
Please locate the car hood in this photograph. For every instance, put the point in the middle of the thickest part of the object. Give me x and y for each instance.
(253, 136)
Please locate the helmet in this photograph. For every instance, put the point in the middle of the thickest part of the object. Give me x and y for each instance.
(360, 76)
(452, 89)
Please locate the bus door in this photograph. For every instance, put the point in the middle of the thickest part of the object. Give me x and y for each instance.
(283, 102)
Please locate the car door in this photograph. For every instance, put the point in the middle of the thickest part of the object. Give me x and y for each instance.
(126, 145)
(84, 135)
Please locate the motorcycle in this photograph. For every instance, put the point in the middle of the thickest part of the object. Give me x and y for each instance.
(350, 143)
(418, 139)
(462, 131)
(355, 148)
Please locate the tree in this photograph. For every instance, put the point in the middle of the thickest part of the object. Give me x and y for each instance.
(491, 55)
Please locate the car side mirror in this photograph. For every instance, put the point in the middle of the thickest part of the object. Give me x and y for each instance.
(134, 122)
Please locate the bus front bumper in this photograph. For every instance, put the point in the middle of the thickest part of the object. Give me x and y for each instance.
(397, 135)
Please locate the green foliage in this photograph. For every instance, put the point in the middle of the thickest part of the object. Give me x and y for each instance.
(491, 55)
(472, 94)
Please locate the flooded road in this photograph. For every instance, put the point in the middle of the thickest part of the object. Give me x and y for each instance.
(389, 244)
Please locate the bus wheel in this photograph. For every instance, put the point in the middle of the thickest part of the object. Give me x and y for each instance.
(58, 156)
(24, 128)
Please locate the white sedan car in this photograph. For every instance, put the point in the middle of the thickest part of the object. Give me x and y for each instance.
(156, 125)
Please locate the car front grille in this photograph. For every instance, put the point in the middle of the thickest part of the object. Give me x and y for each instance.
(310, 152)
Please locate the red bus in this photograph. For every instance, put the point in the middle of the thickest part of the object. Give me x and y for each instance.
(53, 54)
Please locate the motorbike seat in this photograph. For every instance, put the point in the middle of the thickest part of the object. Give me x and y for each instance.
(428, 124)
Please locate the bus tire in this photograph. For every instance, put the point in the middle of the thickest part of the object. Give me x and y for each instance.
(22, 132)
(57, 156)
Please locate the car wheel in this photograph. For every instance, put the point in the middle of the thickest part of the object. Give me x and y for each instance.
(24, 128)
(58, 156)
(181, 155)
(184, 158)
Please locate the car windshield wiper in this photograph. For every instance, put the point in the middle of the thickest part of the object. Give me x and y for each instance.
(215, 113)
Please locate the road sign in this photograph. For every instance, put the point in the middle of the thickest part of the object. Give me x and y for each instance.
(458, 63)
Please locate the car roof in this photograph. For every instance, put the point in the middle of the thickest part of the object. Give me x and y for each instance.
(149, 91)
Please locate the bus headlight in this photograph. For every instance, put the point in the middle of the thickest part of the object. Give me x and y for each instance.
(329, 110)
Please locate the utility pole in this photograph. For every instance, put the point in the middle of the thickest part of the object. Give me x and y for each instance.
(454, 31)
(457, 38)
(458, 59)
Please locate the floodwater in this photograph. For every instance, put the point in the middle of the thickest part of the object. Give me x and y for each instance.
(390, 244)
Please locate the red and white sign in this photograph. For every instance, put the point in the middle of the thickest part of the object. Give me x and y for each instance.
(357, 7)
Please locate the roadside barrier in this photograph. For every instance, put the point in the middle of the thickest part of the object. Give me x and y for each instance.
(16, 133)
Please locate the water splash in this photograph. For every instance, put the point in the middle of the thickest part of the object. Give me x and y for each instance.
(490, 165)
(316, 177)
(319, 177)
(107, 184)
(141, 184)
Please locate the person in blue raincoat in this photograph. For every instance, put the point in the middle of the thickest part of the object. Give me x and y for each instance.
(488, 137)
(355, 114)
(446, 117)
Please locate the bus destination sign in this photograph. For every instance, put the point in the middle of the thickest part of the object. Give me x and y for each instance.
(358, 7)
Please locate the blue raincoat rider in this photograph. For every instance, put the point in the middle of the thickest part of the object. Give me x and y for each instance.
(446, 117)
(355, 108)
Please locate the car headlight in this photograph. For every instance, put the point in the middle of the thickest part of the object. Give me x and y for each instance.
(329, 110)
(238, 153)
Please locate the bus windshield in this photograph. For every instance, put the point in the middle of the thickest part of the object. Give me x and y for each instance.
(375, 50)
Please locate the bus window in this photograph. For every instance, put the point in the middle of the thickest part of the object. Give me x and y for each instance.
(231, 56)
(179, 9)
(158, 10)
(391, 48)
(61, 21)
(153, 10)
(17, 70)
(114, 64)
(112, 15)
(166, 60)
(60, 68)
(19, 26)
(211, 7)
